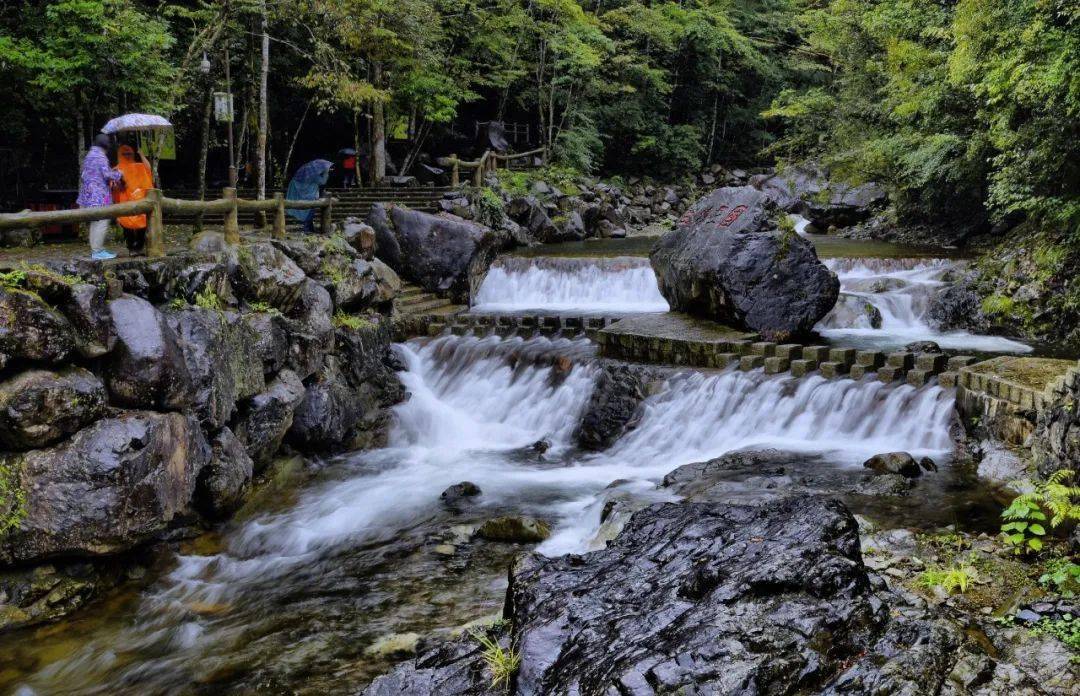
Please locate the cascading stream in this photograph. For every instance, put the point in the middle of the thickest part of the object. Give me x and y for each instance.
(900, 290)
(476, 406)
(621, 284)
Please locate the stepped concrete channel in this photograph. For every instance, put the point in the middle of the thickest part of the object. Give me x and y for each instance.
(1006, 393)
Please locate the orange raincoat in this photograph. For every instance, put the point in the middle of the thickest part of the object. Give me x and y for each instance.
(137, 181)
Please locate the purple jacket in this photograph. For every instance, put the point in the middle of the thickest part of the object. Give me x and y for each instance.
(95, 178)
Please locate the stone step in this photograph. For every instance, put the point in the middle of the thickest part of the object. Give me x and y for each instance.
(426, 306)
(411, 291)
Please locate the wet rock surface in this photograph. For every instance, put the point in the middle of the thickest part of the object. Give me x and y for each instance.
(441, 253)
(225, 480)
(40, 407)
(704, 598)
(726, 261)
(266, 417)
(613, 406)
(217, 349)
(147, 367)
(894, 463)
(32, 330)
(112, 486)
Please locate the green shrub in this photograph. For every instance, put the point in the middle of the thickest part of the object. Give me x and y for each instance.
(208, 299)
(351, 321)
(12, 496)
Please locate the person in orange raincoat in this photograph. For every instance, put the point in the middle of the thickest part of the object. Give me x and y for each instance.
(138, 179)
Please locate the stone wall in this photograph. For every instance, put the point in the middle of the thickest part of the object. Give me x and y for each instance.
(146, 395)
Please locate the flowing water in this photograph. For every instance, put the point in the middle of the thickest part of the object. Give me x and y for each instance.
(900, 289)
(622, 284)
(290, 598)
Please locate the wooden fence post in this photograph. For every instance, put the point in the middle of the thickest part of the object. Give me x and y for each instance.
(232, 218)
(454, 173)
(279, 216)
(155, 226)
(326, 222)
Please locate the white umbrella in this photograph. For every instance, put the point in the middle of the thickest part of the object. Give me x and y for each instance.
(135, 122)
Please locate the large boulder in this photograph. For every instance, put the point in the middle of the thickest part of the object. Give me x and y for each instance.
(726, 261)
(707, 599)
(354, 282)
(329, 413)
(825, 203)
(263, 273)
(366, 359)
(39, 407)
(360, 236)
(225, 480)
(613, 406)
(88, 311)
(852, 312)
(32, 330)
(114, 485)
(147, 368)
(441, 253)
(218, 350)
(309, 329)
(265, 418)
(531, 215)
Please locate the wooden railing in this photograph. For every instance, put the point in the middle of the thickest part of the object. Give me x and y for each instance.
(155, 206)
(488, 162)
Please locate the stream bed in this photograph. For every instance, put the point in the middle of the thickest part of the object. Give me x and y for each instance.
(337, 568)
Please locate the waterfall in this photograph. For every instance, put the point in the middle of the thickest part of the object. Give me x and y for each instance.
(476, 405)
(620, 284)
(900, 290)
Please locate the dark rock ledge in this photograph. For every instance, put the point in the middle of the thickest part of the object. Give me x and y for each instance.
(698, 598)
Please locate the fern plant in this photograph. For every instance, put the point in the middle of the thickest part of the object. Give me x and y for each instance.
(1026, 517)
(956, 578)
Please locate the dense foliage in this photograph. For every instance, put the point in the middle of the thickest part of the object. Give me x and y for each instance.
(615, 85)
(967, 109)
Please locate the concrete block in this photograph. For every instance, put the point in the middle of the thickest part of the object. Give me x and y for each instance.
(917, 377)
(572, 323)
(947, 379)
(750, 362)
(832, 369)
(958, 361)
(890, 373)
(931, 362)
(459, 329)
(763, 348)
(595, 322)
(740, 347)
(859, 371)
(901, 359)
(845, 356)
(789, 351)
(802, 367)
(818, 354)
(870, 358)
(435, 328)
(526, 322)
(725, 359)
(776, 365)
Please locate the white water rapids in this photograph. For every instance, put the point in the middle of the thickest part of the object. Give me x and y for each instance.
(476, 406)
(619, 285)
(901, 291)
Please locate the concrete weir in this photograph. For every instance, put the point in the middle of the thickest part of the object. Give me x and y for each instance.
(682, 340)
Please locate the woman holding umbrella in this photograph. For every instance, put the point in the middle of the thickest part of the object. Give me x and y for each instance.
(305, 186)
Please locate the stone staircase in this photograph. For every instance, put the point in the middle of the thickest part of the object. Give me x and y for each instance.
(414, 300)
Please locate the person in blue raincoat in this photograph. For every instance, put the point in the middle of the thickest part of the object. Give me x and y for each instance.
(305, 186)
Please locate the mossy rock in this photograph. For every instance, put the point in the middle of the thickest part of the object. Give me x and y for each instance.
(515, 530)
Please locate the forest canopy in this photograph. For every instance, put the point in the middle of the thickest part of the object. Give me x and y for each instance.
(970, 106)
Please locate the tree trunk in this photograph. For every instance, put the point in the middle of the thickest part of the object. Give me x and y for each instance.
(378, 129)
(264, 115)
(80, 140)
(288, 155)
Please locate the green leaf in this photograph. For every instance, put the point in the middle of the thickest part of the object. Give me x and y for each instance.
(1037, 529)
